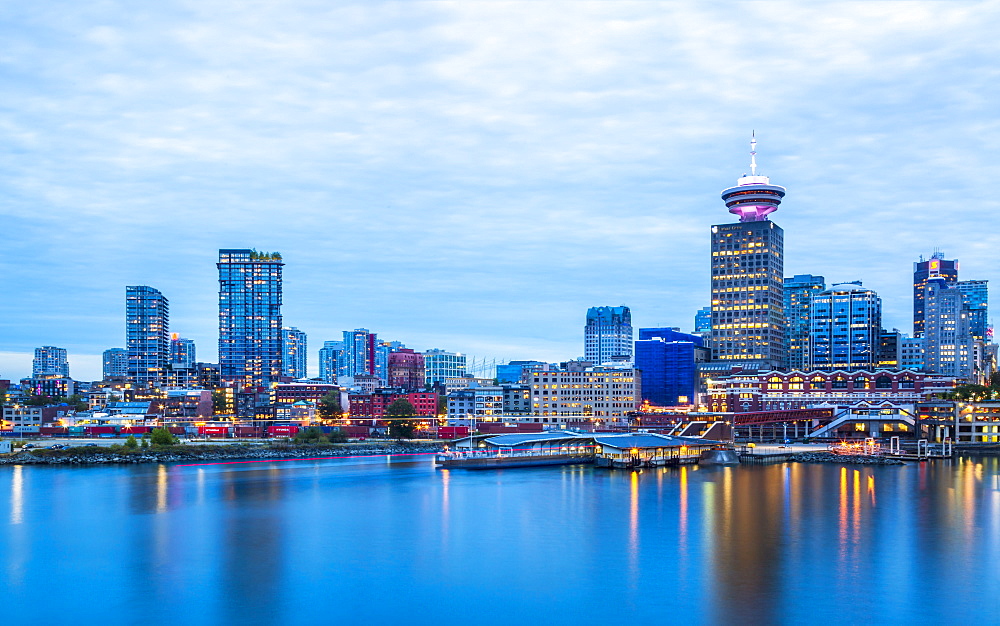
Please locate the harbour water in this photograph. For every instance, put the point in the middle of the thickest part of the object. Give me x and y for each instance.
(394, 541)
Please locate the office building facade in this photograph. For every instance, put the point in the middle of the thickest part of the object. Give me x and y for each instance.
(250, 335)
(975, 293)
(799, 291)
(948, 342)
(147, 336)
(923, 270)
(441, 364)
(608, 334)
(846, 327)
(748, 321)
(667, 360)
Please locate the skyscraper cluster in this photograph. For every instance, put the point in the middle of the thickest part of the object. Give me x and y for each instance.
(762, 320)
(758, 320)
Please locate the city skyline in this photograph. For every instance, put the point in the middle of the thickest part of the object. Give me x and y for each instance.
(447, 179)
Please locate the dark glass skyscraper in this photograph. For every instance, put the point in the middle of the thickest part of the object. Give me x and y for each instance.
(250, 335)
(147, 336)
(935, 267)
(747, 274)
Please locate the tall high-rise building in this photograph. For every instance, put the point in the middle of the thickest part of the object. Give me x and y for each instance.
(441, 364)
(748, 322)
(182, 352)
(114, 363)
(50, 361)
(293, 359)
(799, 291)
(360, 354)
(331, 355)
(977, 300)
(250, 336)
(147, 336)
(845, 328)
(935, 267)
(608, 334)
(948, 342)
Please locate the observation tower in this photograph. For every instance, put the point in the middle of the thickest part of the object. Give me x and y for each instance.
(754, 197)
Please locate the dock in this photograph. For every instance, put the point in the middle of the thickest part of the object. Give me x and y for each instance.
(483, 459)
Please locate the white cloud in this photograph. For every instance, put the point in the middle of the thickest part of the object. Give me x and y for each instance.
(423, 165)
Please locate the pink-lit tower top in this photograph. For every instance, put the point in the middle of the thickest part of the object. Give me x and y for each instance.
(754, 197)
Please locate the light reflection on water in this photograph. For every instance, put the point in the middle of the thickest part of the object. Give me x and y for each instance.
(322, 541)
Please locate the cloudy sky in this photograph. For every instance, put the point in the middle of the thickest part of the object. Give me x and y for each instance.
(473, 175)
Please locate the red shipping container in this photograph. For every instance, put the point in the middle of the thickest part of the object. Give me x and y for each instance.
(101, 430)
(452, 432)
(136, 430)
(282, 430)
(356, 432)
(214, 431)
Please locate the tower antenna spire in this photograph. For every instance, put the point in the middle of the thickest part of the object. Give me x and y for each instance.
(753, 153)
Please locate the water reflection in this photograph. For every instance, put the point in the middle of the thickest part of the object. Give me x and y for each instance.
(253, 539)
(17, 495)
(746, 555)
(329, 543)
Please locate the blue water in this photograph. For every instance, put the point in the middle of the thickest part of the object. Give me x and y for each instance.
(369, 541)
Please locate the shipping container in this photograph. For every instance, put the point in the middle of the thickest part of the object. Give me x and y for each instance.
(101, 430)
(452, 432)
(214, 431)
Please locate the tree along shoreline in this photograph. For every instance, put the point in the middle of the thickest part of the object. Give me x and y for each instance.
(98, 455)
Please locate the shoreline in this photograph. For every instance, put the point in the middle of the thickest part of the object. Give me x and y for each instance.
(213, 452)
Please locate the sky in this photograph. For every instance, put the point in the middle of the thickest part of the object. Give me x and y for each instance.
(474, 175)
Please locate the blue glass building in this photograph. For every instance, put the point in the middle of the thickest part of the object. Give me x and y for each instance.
(250, 335)
(147, 335)
(330, 358)
(293, 361)
(845, 328)
(799, 292)
(667, 359)
(975, 293)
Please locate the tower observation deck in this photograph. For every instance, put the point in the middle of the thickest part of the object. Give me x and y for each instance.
(754, 197)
